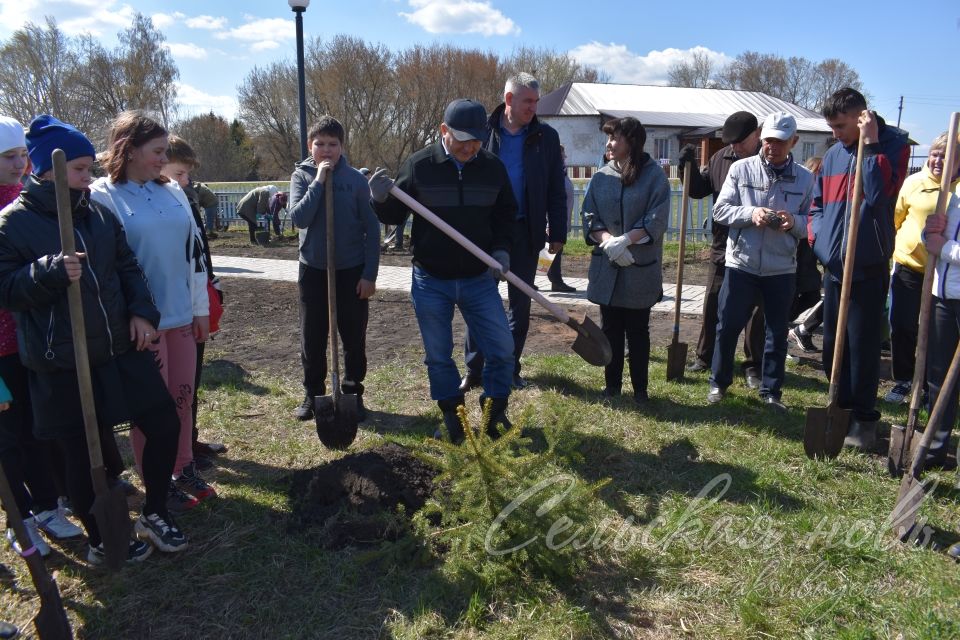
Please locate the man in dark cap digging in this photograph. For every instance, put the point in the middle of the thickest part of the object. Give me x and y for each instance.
(469, 189)
(741, 134)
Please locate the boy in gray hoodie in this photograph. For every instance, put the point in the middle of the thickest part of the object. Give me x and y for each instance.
(357, 249)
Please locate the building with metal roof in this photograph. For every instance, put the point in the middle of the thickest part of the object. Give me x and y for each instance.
(672, 116)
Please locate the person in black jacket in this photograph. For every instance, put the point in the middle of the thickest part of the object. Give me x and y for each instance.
(468, 188)
(530, 150)
(120, 319)
(741, 134)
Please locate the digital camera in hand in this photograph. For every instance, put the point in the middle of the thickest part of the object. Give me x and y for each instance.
(773, 219)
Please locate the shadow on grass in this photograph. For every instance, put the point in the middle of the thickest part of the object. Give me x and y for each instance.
(677, 468)
(225, 373)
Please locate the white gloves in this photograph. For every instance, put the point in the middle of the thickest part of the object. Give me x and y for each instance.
(618, 250)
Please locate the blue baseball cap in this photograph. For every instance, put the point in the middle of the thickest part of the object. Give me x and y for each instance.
(466, 120)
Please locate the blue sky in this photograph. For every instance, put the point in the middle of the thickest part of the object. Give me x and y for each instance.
(896, 47)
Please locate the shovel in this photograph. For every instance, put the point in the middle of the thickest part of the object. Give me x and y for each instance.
(826, 428)
(590, 344)
(911, 494)
(677, 351)
(110, 504)
(336, 414)
(901, 437)
(51, 621)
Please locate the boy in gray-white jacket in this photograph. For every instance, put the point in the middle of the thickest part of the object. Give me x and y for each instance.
(764, 201)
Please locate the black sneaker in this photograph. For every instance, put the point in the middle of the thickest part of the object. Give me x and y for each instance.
(804, 341)
(138, 551)
(161, 531)
(774, 403)
(696, 365)
(715, 395)
(305, 410)
(178, 500)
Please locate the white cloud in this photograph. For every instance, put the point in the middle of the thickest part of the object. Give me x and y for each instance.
(194, 101)
(164, 20)
(103, 16)
(186, 50)
(260, 30)
(460, 16)
(264, 45)
(626, 66)
(206, 22)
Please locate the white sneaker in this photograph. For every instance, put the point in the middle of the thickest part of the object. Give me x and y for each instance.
(35, 538)
(54, 522)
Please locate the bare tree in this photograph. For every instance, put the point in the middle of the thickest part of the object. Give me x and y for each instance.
(551, 68)
(269, 110)
(223, 149)
(696, 73)
(753, 71)
(829, 76)
(38, 68)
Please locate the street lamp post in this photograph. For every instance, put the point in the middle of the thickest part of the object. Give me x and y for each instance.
(299, 6)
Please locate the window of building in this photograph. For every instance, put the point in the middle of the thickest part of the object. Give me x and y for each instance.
(809, 150)
(661, 148)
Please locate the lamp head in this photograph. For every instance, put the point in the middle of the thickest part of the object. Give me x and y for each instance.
(299, 5)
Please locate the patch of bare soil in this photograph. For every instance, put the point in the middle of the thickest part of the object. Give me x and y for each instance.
(361, 498)
(260, 326)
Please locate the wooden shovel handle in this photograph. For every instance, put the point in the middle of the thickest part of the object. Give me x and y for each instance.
(332, 285)
(848, 262)
(479, 253)
(681, 252)
(926, 293)
(68, 247)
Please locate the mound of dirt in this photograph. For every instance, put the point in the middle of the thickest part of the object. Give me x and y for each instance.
(355, 500)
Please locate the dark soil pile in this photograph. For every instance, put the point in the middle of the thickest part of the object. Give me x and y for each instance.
(362, 498)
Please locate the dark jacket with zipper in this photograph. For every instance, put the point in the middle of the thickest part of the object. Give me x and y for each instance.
(476, 200)
(33, 280)
(545, 196)
(884, 168)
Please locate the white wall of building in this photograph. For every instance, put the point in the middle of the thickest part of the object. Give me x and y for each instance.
(584, 142)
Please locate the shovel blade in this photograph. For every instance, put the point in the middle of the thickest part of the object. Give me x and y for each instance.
(591, 344)
(897, 454)
(336, 417)
(676, 360)
(904, 514)
(113, 519)
(824, 431)
(51, 621)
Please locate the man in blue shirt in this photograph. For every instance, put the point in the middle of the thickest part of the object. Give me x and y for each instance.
(530, 150)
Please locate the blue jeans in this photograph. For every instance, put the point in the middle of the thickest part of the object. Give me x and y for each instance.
(523, 264)
(738, 297)
(482, 310)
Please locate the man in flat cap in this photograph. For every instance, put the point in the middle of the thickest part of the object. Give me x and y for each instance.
(469, 188)
(741, 134)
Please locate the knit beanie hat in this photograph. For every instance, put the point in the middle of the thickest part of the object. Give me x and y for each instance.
(11, 134)
(46, 134)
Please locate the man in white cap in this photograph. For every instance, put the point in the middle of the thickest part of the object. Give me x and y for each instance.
(764, 201)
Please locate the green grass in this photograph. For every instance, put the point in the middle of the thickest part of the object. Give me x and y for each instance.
(792, 548)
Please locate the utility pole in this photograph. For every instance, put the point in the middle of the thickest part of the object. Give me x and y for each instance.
(899, 112)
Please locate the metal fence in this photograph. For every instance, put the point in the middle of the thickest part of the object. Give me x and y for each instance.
(698, 224)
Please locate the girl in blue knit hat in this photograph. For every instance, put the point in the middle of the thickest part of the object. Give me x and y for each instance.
(29, 463)
(120, 317)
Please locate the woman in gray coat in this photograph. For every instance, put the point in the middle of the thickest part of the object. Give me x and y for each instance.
(625, 213)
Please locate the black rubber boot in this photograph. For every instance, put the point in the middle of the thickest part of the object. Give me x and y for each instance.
(498, 423)
(451, 419)
(861, 435)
